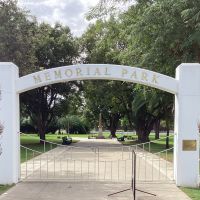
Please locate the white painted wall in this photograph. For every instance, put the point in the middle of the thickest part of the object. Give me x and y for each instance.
(9, 116)
(187, 113)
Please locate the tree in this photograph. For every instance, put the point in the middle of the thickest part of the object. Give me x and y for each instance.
(150, 106)
(102, 43)
(105, 8)
(74, 124)
(112, 99)
(159, 43)
(55, 47)
(17, 31)
(143, 115)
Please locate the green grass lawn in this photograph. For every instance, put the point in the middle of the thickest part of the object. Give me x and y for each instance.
(34, 138)
(4, 188)
(194, 194)
(105, 134)
(154, 146)
(32, 141)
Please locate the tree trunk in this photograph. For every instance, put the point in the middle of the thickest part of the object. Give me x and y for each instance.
(113, 132)
(167, 138)
(41, 131)
(42, 137)
(157, 129)
(114, 120)
(143, 136)
(144, 129)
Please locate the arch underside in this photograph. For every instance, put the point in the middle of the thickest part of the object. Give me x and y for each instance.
(97, 72)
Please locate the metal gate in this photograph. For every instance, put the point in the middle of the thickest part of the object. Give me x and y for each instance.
(99, 163)
(77, 164)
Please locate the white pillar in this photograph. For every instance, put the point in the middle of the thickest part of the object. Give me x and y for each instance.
(187, 113)
(9, 117)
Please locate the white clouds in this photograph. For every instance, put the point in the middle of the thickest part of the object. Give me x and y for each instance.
(68, 12)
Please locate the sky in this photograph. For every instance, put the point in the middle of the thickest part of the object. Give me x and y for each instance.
(68, 12)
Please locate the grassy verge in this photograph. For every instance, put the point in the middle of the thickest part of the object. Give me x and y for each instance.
(105, 134)
(32, 141)
(34, 138)
(194, 194)
(154, 146)
(4, 188)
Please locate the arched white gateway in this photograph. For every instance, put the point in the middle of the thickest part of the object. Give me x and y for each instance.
(97, 71)
(186, 87)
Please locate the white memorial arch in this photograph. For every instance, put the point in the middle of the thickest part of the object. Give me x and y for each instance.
(185, 87)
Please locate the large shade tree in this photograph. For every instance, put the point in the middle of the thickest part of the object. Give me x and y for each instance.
(17, 31)
(155, 43)
(55, 47)
(112, 99)
(102, 43)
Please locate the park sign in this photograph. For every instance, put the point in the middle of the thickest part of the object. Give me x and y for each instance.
(185, 87)
(97, 71)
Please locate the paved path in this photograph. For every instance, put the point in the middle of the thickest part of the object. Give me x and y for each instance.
(89, 191)
(94, 189)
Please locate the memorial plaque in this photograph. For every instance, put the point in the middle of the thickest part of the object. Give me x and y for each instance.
(189, 145)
